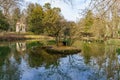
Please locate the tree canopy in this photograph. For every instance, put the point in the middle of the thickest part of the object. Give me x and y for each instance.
(35, 18)
(4, 25)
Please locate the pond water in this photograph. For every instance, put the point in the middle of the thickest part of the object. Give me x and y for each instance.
(24, 61)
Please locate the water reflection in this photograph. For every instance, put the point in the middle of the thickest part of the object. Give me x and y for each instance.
(39, 57)
(20, 46)
(25, 61)
(104, 58)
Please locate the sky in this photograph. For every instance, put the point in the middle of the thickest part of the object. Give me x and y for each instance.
(70, 11)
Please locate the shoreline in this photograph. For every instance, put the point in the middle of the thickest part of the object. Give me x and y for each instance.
(16, 37)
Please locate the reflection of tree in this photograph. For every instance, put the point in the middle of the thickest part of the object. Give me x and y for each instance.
(86, 49)
(9, 69)
(107, 63)
(112, 66)
(69, 70)
(104, 57)
(38, 57)
(4, 51)
(59, 72)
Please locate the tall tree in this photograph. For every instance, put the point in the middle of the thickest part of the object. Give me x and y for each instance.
(35, 18)
(86, 24)
(88, 20)
(4, 25)
(53, 21)
(71, 32)
(8, 5)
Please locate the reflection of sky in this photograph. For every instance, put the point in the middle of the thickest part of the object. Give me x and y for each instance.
(119, 59)
(70, 12)
(70, 68)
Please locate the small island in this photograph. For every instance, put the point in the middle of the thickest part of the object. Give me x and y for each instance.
(61, 49)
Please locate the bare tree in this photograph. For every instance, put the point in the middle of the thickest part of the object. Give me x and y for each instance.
(7, 5)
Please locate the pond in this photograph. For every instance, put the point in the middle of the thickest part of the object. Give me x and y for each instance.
(25, 61)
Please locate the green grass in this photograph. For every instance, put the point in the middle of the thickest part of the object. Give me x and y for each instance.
(51, 42)
(113, 42)
(34, 44)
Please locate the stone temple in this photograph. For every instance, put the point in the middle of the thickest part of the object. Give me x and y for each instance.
(20, 27)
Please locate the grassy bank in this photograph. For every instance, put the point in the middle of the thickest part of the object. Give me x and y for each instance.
(12, 36)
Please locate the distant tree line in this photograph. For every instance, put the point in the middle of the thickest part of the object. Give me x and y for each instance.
(102, 19)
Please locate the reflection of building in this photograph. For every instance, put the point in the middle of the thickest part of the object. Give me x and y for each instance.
(20, 27)
(20, 46)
